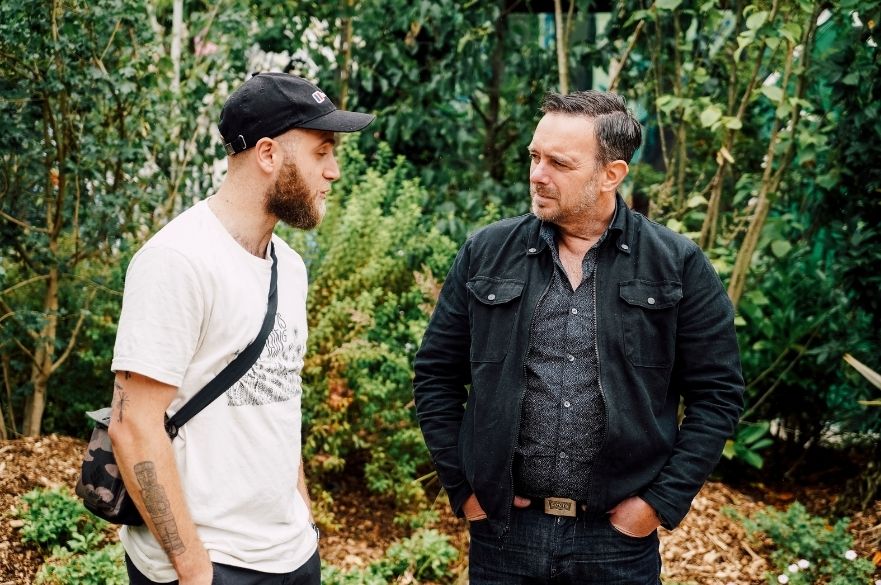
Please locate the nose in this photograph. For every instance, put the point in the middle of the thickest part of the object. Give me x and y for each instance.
(537, 173)
(332, 171)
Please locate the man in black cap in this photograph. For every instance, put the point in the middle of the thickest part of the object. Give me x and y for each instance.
(226, 500)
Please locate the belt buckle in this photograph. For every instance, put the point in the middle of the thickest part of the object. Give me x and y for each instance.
(560, 507)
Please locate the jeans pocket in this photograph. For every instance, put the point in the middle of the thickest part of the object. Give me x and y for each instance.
(627, 534)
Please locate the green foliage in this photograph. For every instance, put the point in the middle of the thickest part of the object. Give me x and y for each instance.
(56, 519)
(106, 135)
(747, 442)
(374, 266)
(104, 566)
(755, 103)
(455, 87)
(425, 556)
(807, 549)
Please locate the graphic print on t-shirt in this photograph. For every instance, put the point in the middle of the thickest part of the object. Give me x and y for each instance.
(276, 375)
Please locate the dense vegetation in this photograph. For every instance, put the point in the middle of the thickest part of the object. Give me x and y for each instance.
(762, 144)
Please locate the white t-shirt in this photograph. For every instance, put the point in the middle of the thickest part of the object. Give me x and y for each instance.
(194, 298)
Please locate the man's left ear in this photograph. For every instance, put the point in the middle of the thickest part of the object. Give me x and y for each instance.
(613, 174)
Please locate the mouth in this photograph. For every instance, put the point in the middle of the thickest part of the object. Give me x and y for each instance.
(537, 196)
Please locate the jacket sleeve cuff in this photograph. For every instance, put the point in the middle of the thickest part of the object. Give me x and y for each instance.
(458, 495)
(669, 515)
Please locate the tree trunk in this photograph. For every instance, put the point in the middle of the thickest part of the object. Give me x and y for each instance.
(42, 360)
(346, 50)
(562, 44)
(492, 150)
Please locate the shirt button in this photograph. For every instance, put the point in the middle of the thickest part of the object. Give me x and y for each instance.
(532, 250)
(625, 247)
(651, 300)
(574, 311)
(566, 403)
(570, 357)
(493, 297)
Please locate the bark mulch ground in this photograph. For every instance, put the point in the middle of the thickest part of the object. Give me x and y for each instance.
(709, 548)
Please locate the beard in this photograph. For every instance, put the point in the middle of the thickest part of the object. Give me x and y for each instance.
(290, 199)
(588, 199)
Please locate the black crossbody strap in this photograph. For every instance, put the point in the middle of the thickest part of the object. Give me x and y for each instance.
(236, 368)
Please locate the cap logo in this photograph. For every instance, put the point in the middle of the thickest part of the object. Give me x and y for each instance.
(318, 96)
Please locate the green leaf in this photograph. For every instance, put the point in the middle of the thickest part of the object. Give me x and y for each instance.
(732, 122)
(728, 451)
(852, 78)
(757, 297)
(752, 458)
(710, 116)
(675, 225)
(743, 41)
(756, 20)
(696, 201)
(668, 4)
(791, 31)
(773, 93)
(752, 433)
(780, 248)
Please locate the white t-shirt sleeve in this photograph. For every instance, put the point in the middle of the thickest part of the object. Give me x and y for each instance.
(163, 309)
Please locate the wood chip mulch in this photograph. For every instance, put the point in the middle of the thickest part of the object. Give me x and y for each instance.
(709, 548)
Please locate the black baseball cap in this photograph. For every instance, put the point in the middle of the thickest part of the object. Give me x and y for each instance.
(269, 104)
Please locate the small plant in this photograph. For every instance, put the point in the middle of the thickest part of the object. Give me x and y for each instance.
(105, 566)
(807, 549)
(425, 556)
(55, 519)
(747, 442)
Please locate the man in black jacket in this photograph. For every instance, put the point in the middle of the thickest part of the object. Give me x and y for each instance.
(579, 327)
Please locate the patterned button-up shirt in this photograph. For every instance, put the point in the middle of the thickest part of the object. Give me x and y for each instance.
(563, 414)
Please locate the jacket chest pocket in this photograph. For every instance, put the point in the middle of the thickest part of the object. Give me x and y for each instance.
(493, 307)
(649, 313)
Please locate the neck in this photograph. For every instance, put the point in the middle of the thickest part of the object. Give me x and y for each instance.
(243, 216)
(583, 232)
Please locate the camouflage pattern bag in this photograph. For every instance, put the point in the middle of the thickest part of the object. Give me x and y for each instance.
(100, 484)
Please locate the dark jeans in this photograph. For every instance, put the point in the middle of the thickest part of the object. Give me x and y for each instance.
(543, 549)
(308, 574)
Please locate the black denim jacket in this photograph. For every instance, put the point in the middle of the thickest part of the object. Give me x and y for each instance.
(665, 329)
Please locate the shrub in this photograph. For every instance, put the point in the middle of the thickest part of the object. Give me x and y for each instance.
(425, 556)
(374, 267)
(105, 566)
(55, 519)
(806, 549)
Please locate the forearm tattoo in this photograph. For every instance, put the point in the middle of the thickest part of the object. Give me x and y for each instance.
(120, 399)
(159, 508)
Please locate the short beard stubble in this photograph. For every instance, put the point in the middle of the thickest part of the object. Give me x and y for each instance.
(588, 200)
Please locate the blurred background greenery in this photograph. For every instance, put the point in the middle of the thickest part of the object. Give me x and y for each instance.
(762, 144)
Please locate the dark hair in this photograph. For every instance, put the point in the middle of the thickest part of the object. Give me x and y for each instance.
(617, 130)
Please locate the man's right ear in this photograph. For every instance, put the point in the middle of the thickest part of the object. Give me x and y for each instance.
(269, 155)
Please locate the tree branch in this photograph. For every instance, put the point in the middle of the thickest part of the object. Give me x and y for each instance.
(73, 336)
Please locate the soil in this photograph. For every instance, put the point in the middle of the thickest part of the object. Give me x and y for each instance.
(709, 548)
